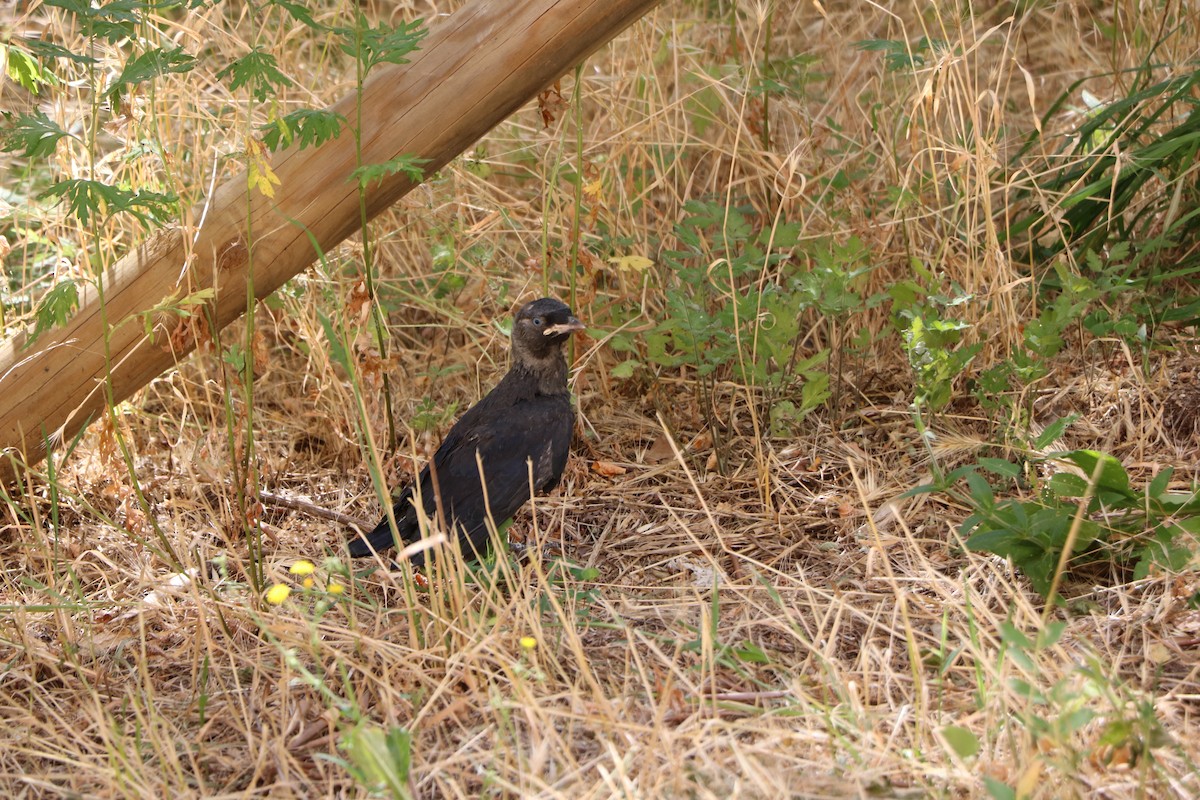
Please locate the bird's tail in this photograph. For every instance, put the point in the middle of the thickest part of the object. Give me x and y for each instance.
(377, 540)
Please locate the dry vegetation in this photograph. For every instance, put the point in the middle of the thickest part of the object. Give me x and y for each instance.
(751, 615)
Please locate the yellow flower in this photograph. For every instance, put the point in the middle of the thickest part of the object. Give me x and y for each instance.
(336, 588)
(308, 583)
(302, 567)
(278, 593)
(528, 642)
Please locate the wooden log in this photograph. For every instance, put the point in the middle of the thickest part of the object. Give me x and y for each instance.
(474, 69)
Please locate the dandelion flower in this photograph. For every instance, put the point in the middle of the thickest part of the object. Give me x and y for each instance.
(278, 593)
(302, 567)
(336, 588)
(308, 583)
(528, 642)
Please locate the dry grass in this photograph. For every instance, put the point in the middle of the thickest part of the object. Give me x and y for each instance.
(769, 617)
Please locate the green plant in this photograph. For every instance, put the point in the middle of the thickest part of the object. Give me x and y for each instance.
(739, 659)
(1058, 716)
(901, 56)
(43, 66)
(1128, 207)
(429, 416)
(569, 586)
(1075, 521)
(735, 305)
(380, 759)
(1042, 339)
(935, 357)
(932, 339)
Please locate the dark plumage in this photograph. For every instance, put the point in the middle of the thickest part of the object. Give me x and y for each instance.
(527, 417)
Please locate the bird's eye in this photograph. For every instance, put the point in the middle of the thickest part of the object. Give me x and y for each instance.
(537, 321)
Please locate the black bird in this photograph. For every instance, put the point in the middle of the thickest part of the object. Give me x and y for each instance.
(527, 417)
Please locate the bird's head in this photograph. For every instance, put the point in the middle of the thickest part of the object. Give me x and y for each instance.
(540, 329)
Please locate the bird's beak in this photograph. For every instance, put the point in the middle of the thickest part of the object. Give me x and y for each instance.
(570, 326)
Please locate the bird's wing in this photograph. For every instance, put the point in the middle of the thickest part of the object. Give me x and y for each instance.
(507, 437)
(449, 461)
(536, 430)
(406, 523)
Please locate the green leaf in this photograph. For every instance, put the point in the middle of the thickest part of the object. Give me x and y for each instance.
(625, 369)
(1074, 720)
(752, 653)
(1014, 637)
(1051, 634)
(998, 790)
(49, 50)
(1021, 687)
(1112, 475)
(1162, 550)
(235, 356)
(585, 573)
(383, 44)
(963, 742)
(35, 133)
(1162, 480)
(86, 199)
(981, 490)
(112, 21)
(785, 235)
(23, 68)
(372, 173)
(173, 305)
(300, 13)
(1116, 733)
(1065, 484)
(812, 363)
(1033, 545)
(1000, 541)
(815, 391)
(898, 55)
(311, 127)
(1001, 466)
(150, 65)
(337, 347)
(1054, 431)
(1180, 503)
(92, 199)
(381, 760)
(257, 70)
(55, 309)
(702, 108)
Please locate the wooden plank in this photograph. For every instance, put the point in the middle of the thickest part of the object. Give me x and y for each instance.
(474, 69)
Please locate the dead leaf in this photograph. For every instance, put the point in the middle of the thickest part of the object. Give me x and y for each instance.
(608, 469)
(632, 263)
(660, 451)
(551, 103)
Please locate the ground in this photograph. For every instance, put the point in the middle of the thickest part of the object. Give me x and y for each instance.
(727, 596)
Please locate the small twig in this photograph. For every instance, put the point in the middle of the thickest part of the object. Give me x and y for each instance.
(284, 501)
